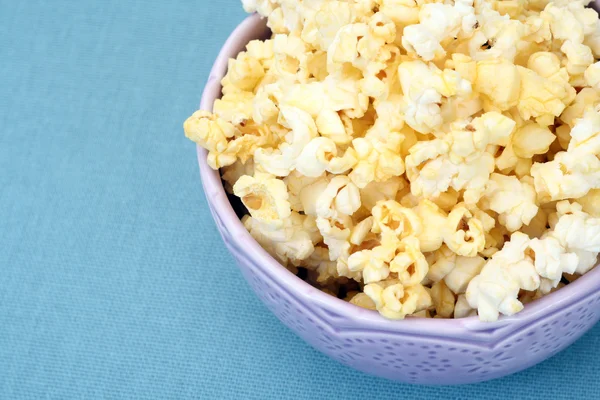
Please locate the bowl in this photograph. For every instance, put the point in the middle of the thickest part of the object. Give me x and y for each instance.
(414, 350)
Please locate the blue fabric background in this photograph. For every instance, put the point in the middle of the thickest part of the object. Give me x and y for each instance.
(113, 280)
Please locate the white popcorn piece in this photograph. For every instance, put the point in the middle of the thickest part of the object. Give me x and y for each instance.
(495, 290)
(515, 201)
(567, 176)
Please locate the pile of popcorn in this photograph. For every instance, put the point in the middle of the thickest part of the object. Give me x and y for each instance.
(417, 157)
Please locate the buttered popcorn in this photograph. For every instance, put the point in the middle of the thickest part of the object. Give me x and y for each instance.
(431, 158)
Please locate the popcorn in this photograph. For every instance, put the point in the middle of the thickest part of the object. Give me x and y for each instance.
(425, 158)
(409, 264)
(567, 176)
(341, 198)
(394, 301)
(465, 270)
(391, 218)
(489, 74)
(462, 309)
(264, 196)
(495, 290)
(432, 217)
(443, 299)
(514, 201)
(579, 57)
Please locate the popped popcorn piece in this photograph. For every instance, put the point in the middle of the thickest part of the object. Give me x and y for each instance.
(591, 203)
(432, 217)
(409, 263)
(336, 235)
(364, 301)
(265, 197)
(464, 233)
(514, 200)
(374, 263)
(465, 269)
(394, 301)
(341, 198)
(462, 309)
(585, 135)
(499, 83)
(443, 299)
(423, 87)
(390, 217)
(437, 23)
(444, 261)
(539, 96)
(282, 161)
(579, 57)
(592, 75)
(532, 139)
(551, 260)
(495, 290)
(567, 176)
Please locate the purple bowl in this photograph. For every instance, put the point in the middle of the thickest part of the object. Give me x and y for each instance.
(415, 350)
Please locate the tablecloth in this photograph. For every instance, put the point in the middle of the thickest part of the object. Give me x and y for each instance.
(113, 280)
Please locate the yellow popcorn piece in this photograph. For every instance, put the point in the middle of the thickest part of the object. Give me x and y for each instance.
(567, 176)
(215, 135)
(592, 76)
(374, 263)
(443, 299)
(363, 301)
(423, 87)
(539, 96)
(282, 161)
(328, 19)
(587, 98)
(432, 217)
(465, 270)
(336, 235)
(563, 24)
(375, 162)
(499, 83)
(341, 198)
(444, 261)
(409, 264)
(464, 234)
(532, 139)
(264, 196)
(462, 309)
(390, 217)
(579, 57)
(394, 301)
(591, 202)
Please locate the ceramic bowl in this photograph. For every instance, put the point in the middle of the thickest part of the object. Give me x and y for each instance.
(414, 350)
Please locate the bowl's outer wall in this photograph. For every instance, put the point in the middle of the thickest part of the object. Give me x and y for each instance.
(416, 350)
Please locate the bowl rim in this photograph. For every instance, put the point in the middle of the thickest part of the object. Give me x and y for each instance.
(253, 27)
